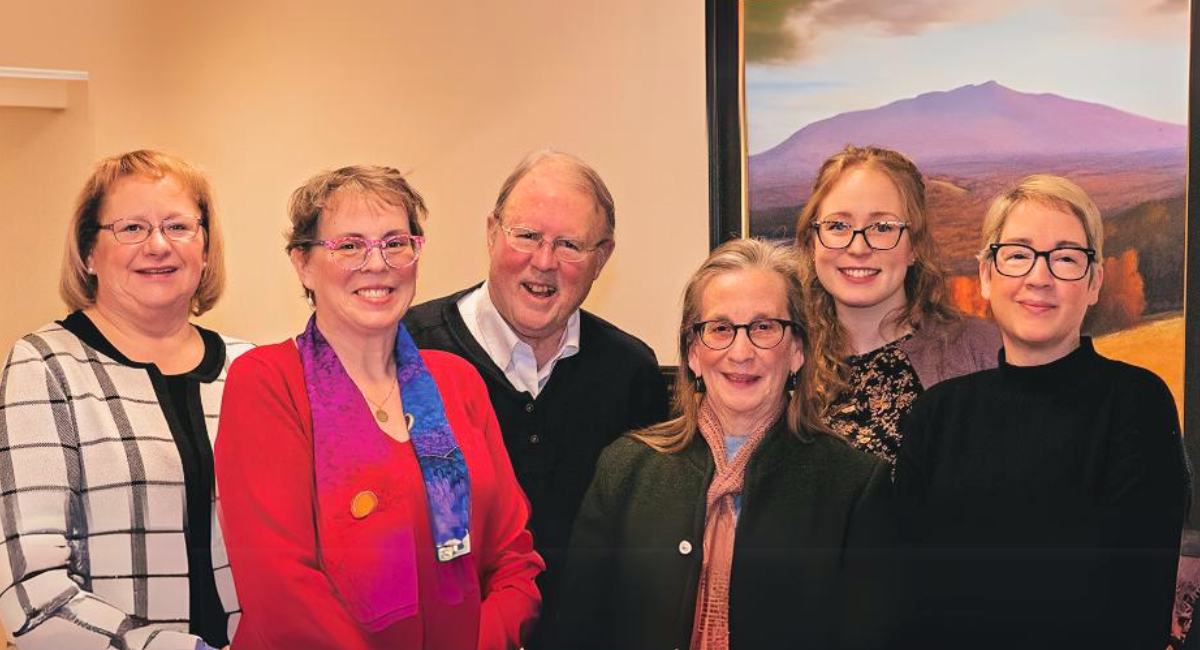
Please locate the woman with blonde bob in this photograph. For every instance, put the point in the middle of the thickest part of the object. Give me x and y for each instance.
(883, 329)
(106, 425)
(742, 522)
(1046, 495)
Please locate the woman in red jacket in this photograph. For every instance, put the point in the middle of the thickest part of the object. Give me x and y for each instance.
(371, 500)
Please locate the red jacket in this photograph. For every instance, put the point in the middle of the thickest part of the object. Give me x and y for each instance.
(264, 466)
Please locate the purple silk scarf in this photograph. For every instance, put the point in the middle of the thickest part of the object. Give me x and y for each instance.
(370, 561)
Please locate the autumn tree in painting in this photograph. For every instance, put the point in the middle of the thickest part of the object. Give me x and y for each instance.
(1122, 296)
(966, 297)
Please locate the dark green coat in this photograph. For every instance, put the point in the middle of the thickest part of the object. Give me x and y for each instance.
(810, 555)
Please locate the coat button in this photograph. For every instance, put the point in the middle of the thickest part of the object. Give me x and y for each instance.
(685, 547)
(529, 407)
(534, 439)
(363, 504)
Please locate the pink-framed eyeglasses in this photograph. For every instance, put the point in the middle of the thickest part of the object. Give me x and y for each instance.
(352, 253)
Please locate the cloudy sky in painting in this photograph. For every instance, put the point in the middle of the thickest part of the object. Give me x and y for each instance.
(807, 60)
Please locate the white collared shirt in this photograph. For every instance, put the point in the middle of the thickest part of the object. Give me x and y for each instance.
(513, 356)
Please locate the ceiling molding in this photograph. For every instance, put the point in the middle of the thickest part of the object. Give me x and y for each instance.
(42, 73)
(37, 88)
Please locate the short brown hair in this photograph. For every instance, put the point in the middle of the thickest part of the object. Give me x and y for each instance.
(310, 200)
(77, 286)
(387, 184)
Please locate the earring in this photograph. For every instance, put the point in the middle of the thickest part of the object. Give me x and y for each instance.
(91, 271)
(308, 297)
(790, 384)
(699, 385)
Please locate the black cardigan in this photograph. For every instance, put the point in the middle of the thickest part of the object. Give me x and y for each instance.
(811, 553)
(611, 386)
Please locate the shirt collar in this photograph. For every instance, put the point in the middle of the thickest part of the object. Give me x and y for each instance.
(497, 337)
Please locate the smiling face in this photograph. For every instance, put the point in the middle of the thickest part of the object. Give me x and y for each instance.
(859, 277)
(745, 384)
(1039, 315)
(155, 278)
(535, 293)
(371, 300)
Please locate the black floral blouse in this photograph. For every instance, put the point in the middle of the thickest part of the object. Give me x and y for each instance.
(883, 387)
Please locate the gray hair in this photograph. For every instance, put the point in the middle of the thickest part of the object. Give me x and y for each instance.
(581, 174)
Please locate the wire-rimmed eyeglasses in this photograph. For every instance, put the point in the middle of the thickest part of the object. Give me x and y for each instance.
(527, 240)
(135, 230)
(352, 253)
(880, 236)
(764, 333)
(1067, 263)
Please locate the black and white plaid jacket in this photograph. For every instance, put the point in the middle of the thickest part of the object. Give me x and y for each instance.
(92, 502)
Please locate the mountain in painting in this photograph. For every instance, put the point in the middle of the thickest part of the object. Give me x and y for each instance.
(973, 142)
(973, 126)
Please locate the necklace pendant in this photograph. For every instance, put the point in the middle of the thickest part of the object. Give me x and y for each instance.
(381, 415)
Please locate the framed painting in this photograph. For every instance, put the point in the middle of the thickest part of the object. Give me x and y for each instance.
(980, 94)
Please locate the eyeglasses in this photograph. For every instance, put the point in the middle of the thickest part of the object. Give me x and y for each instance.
(764, 333)
(525, 240)
(353, 253)
(136, 230)
(880, 236)
(1068, 263)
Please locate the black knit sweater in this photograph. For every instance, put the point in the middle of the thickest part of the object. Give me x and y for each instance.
(610, 387)
(1046, 503)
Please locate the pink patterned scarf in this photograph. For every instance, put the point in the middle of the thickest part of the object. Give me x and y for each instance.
(711, 628)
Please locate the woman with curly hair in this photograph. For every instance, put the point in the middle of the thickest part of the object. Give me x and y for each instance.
(883, 329)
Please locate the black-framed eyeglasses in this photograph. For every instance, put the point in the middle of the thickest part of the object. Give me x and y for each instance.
(1067, 263)
(764, 333)
(527, 240)
(880, 236)
(352, 253)
(135, 230)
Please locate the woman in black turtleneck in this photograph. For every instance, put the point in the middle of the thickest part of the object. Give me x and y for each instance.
(1045, 498)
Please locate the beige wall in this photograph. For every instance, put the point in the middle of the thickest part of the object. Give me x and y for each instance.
(43, 153)
(263, 94)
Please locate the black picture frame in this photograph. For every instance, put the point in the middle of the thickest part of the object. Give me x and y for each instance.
(726, 140)
(727, 192)
(1191, 303)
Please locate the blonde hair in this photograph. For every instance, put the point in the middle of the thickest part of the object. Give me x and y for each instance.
(924, 282)
(77, 286)
(736, 255)
(1053, 191)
